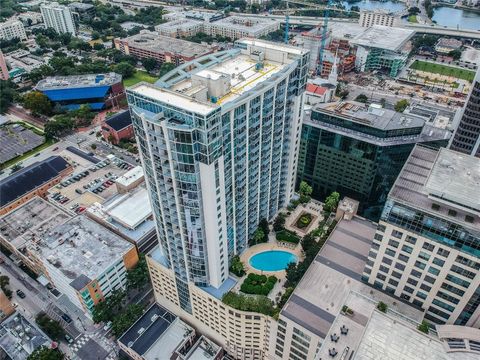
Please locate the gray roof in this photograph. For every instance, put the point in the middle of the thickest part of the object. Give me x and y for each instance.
(440, 176)
(78, 81)
(384, 37)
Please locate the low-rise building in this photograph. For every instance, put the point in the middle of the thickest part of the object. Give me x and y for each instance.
(118, 127)
(180, 28)
(131, 179)
(19, 337)
(83, 260)
(237, 27)
(382, 48)
(30, 18)
(130, 216)
(98, 91)
(376, 17)
(84, 11)
(6, 307)
(446, 45)
(24, 60)
(31, 181)
(206, 16)
(12, 29)
(150, 44)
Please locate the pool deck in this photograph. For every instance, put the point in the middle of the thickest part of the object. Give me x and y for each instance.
(245, 257)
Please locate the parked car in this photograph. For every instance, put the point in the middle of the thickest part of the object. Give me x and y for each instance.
(67, 318)
(107, 326)
(68, 339)
(21, 294)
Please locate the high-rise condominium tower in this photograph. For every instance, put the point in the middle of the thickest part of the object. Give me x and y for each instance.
(218, 140)
(58, 17)
(467, 135)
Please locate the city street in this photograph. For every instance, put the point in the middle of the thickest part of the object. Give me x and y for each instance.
(91, 341)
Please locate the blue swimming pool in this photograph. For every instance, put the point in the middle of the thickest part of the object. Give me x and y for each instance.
(273, 260)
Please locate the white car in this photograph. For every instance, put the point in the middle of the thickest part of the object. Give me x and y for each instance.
(107, 326)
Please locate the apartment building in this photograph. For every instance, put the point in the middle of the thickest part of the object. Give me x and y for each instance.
(58, 17)
(150, 44)
(426, 249)
(467, 135)
(12, 29)
(218, 144)
(236, 27)
(180, 28)
(376, 17)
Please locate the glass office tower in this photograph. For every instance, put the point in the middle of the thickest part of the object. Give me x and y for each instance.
(359, 151)
(218, 141)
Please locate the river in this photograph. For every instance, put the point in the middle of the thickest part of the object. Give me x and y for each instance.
(456, 18)
(391, 6)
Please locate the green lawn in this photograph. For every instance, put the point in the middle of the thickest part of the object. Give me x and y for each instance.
(139, 76)
(412, 19)
(443, 70)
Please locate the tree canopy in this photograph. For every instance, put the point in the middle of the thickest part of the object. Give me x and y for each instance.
(37, 103)
(44, 353)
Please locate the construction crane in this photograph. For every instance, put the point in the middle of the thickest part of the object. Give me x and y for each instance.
(326, 15)
(287, 25)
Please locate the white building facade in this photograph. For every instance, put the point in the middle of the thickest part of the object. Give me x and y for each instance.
(12, 29)
(58, 17)
(218, 144)
(377, 17)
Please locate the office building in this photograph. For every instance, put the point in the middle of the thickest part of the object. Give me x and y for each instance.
(150, 44)
(20, 337)
(98, 91)
(59, 18)
(376, 17)
(219, 151)
(31, 181)
(12, 29)
(426, 250)
(467, 135)
(83, 260)
(3, 68)
(82, 10)
(359, 150)
(382, 48)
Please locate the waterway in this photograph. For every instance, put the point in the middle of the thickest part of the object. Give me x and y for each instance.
(456, 18)
(390, 6)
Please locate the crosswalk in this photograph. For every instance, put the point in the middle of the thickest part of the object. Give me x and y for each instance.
(98, 338)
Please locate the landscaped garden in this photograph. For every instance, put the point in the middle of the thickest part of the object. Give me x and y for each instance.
(287, 236)
(443, 70)
(258, 284)
(304, 220)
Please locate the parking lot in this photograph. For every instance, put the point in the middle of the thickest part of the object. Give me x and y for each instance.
(89, 184)
(15, 140)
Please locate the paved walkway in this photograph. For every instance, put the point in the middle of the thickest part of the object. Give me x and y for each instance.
(314, 208)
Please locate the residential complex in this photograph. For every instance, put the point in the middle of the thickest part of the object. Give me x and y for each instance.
(382, 47)
(243, 106)
(359, 150)
(467, 135)
(59, 18)
(150, 44)
(426, 247)
(12, 29)
(98, 91)
(31, 181)
(180, 28)
(376, 17)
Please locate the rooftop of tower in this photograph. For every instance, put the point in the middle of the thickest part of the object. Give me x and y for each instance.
(204, 84)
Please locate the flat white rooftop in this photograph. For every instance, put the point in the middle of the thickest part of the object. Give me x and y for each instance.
(384, 37)
(131, 209)
(130, 176)
(455, 177)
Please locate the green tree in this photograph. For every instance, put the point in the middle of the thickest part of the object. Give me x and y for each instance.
(423, 327)
(125, 69)
(107, 309)
(401, 105)
(8, 93)
(258, 236)
(40, 73)
(279, 223)
(44, 353)
(305, 191)
(58, 126)
(362, 98)
(381, 306)
(455, 54)
(4, 282)
(331, 202)
(123, 321)
(139, 276)
(149, 64)
(51, 327)
(37, 102)
(237, 266)
(166, 67)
